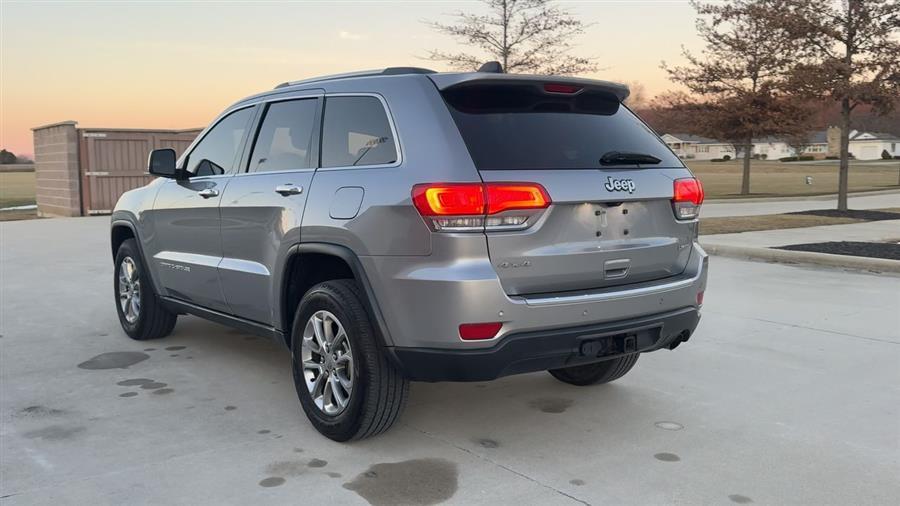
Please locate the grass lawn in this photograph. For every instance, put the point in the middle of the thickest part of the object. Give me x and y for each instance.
(18, 215)
(735, 224)
(16, 189)
(777, 179)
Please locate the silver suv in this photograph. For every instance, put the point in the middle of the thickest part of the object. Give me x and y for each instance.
(406, 225)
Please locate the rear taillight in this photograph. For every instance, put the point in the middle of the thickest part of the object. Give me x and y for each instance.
(448, 199)
(505, 196)
(472, 207)
(688, 195)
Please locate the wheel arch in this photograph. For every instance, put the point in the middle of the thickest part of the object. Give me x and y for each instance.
(307, 264)
(120, 231)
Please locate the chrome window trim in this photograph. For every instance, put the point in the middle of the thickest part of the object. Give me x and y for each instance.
(300, 95)
(193, 179)
(284, 171)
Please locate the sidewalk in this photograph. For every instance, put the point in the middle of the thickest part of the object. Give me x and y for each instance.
(757, 245)
(756, 207)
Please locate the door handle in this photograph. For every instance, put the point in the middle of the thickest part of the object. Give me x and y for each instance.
(207, 193)
(288, 189)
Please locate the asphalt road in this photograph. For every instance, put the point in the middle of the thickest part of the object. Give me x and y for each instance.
(789, 393)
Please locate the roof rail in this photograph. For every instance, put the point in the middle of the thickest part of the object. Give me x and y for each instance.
(390, 71)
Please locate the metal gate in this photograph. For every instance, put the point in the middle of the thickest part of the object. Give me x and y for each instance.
(115, 161)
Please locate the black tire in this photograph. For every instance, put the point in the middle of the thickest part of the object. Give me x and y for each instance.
(596, 373)
(379, 390)
(153, 320)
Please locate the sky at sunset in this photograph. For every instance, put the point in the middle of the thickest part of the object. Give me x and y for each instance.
(142, 64)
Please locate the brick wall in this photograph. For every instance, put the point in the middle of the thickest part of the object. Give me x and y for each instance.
(57, 177)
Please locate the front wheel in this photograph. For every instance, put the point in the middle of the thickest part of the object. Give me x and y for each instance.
(346, 385)
(596, 373)
(141, 313)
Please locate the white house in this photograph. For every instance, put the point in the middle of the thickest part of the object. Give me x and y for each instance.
(698, 148)
(774, 148)
(871, 145)
(863, 146)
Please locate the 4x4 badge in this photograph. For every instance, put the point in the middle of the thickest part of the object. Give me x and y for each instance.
(619, 185)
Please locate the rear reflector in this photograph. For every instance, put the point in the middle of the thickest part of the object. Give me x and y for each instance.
(687, 197)
(700, 298)
(561, 88)
(479, 331)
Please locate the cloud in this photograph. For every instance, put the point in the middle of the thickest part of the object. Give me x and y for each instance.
(344, 34)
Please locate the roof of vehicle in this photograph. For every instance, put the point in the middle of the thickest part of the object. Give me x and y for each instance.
(444, 80)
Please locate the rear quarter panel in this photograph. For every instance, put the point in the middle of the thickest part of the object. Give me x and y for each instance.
(431, 150)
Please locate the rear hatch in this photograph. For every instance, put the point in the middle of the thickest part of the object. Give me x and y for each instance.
(610, 223)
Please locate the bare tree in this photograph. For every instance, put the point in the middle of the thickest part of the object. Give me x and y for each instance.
(7, 157)
(739, 81)
(637, 98)
(856, 59)
(525, 36)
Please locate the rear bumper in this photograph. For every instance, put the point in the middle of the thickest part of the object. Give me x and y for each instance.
(424, 301)
(548, 349)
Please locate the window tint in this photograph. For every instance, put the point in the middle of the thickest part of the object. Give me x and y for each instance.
(216, 151)
(520, 127)
(356, 132)
(284, 140)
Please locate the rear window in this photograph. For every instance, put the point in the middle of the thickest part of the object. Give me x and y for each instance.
(521, 127)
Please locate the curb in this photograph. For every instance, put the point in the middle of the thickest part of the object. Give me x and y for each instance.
(803, 257)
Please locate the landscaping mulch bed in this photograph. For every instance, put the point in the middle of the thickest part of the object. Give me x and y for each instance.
(864, 215)
(886, 250)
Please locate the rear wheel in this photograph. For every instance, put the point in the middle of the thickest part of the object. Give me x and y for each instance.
(141, 313)
(346, 385)
(593, 374)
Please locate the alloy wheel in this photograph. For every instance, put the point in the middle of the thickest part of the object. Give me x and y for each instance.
(129, 290)
(327, 363)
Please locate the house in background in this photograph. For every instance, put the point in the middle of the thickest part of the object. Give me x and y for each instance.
(774, 148)
(822, 143)
(694, 147)
(864, 145)
(871, 145)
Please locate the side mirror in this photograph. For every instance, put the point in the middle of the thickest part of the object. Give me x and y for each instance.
(162, 163)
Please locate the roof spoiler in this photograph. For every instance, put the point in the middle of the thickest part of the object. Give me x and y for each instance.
(493, 67)
(447, 81)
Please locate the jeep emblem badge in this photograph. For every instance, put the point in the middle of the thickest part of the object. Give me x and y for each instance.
(619, 185)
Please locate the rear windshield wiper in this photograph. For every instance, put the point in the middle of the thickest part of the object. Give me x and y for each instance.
(625, 158)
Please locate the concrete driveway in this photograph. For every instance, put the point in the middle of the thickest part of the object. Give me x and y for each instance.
(788, 394)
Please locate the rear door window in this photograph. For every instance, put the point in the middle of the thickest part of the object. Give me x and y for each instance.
(356, 132)
(520, 127)
(284, 141)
